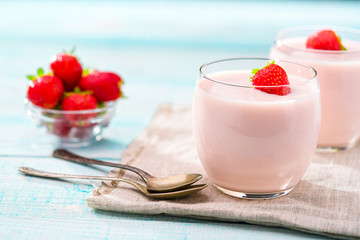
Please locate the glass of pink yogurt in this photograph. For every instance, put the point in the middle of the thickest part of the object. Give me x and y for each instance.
(339, 79)
(253, 144)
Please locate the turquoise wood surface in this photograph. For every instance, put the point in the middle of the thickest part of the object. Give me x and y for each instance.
(157, 47)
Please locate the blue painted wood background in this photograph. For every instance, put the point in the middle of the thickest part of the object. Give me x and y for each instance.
(157, 46)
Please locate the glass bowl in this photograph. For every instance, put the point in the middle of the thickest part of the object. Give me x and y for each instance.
(72, 128)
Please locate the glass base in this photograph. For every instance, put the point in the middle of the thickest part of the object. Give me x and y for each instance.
(254, 196)
(333, 149)
(76, 143)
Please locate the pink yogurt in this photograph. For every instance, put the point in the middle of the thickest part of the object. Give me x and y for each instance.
(339, 79)
(250, 141)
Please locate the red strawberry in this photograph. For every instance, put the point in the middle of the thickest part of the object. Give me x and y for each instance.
(79, 101)
(271, 75)
(60, 127)
(106, 86)
(45, 91)
(66, 67)
(325, 40)
(83, 132)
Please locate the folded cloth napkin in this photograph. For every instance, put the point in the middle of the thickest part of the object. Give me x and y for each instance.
(326, 201)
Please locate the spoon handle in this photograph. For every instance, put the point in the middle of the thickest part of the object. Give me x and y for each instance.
(39, 173)
(72, 157)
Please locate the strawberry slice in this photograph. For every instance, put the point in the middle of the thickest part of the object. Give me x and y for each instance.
(324, 40)
(271, 75)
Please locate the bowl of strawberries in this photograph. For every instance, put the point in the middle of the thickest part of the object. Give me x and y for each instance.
(73, 104)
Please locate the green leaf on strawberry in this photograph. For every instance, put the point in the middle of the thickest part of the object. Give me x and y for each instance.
(72, 51)
(254, 71)
(31, 77)
(341, 45)
(40, 72)
(86, 72)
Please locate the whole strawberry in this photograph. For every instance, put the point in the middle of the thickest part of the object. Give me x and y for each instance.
(106, 86)
(66, 67)
(271, 75)
(324, 40)
(45, 90)
(60, 127)
(79, 101)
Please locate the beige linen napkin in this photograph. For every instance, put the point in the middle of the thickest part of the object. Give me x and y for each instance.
(326, 201)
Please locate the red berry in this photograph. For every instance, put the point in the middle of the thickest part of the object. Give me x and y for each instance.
(45, 91)
(83, 132)
(79, 101)
(60, 127)
(67, 68)
(104, 85)
(271, 75)
(324, 40)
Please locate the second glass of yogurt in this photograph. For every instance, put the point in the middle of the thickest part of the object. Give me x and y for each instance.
(253, 144)
(339, 79)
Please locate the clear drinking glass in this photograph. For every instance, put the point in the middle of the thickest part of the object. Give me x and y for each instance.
(252, 144)
(339, 79)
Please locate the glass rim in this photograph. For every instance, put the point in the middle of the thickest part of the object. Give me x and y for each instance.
(307, 81)
(108, 105)
(280, 36)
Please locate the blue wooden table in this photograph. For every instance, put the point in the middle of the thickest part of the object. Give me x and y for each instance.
(157, 47)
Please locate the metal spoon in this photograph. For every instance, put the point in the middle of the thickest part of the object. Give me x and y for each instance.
(160, 195)
(165, 184)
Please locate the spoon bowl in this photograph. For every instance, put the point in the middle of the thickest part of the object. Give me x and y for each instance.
(165, 184)
(159, 195)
